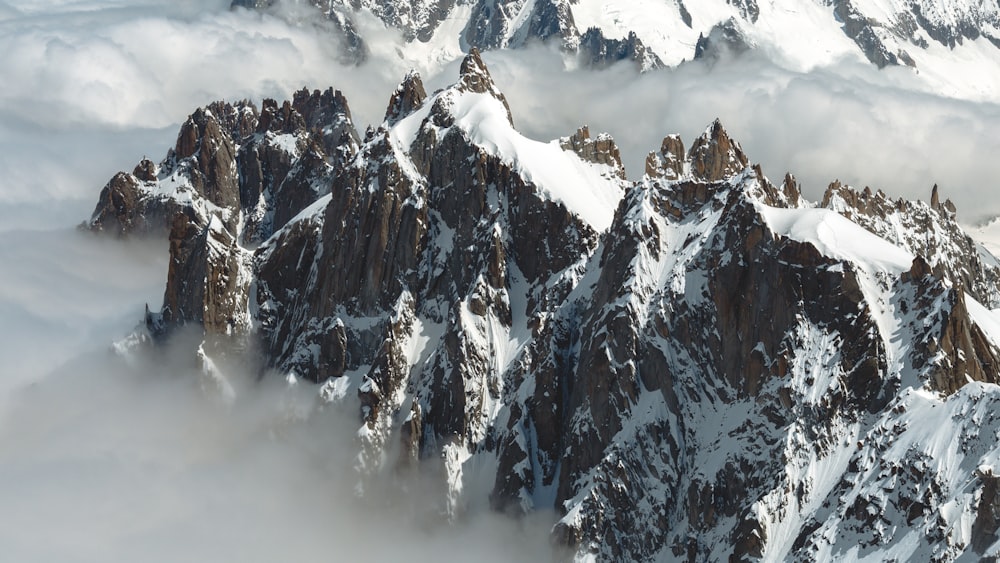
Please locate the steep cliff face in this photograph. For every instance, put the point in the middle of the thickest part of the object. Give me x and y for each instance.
(700, 365)
(234, 176)
(439, 248)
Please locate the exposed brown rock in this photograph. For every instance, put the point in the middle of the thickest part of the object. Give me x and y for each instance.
(204, 282)
(714, 156)
(918, 270)
(184, 298)
(410, 435)
(117, 206)
(669, 162)
(475, 77)
(599, 150)
(987, 522)
(967, 353)
(409, 95)
(145, 170)
(791, 189)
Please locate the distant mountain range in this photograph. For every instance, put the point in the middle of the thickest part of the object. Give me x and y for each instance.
(803, 33)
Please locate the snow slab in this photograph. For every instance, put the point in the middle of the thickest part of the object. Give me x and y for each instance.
(838, 237)
(581, 186)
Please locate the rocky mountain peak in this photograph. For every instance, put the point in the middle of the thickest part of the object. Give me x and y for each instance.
(922, 229)
(473, 74)
(600, 51)
(281, 118)
(715, 156)
(408, 96)
(669, 162)
(321, 110)
(475, 77)
(145, 171)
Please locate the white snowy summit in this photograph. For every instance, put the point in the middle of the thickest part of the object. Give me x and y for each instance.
(697, 366)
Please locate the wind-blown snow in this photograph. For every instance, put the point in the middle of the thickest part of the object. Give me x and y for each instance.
(561, 175)
(838, 237)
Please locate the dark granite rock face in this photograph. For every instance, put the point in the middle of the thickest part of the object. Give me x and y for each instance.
(409, 96)
(724, 39)
(599, 51)
(235, 175)
(862, 31)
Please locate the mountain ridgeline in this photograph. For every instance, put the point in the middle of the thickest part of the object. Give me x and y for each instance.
(885, 32)
(699, 365)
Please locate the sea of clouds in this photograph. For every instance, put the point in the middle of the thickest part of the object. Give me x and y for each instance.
(106, 459)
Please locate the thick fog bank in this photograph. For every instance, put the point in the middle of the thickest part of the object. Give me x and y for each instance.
(106, 460)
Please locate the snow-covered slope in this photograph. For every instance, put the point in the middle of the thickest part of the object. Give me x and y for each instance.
(701, 365)
(951, 45)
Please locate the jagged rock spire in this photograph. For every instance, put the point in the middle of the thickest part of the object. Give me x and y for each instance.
(409, 95)
(475, 77)
(669, 162)
(715, 156)
(790, 187)
(947, 207)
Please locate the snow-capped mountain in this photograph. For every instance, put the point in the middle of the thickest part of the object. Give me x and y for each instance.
(946, 42)
(699, 365)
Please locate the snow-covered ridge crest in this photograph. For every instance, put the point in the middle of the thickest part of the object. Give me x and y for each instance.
(475, 107)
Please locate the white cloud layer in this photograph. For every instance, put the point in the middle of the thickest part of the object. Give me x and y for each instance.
(90, 87)
(850, 122)
(104, 461)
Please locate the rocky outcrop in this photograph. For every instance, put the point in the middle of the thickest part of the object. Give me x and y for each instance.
(476, 79)
(599, 51)
(723, 40)
(987, 522)
(669, 162)
(118, 207)
(930, 231)
(714, 156)
(409, 96)
(599, 150)
(207, 284)
(234, 176)
(491, 24)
